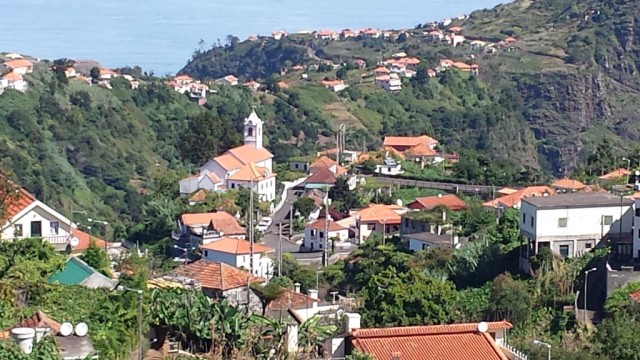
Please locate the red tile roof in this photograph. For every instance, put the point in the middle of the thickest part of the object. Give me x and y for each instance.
(291, 299)
(236, 246)
(408, 140)
(323, 162)
(615, 174)
(514, 199)
(217, 276)
(251, 171)
(320, 225)
(85, 241)
(450, 201)
(421, 150)
(438, 342)
(250, 154)
(12, 77)
(13, 204)
(219, 221)
(379, 213)
(568, 184)
(13, 64)
(322, 176)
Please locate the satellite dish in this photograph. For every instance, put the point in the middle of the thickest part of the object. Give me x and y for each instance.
(74, 241)
(483, 327)
(439, 196)
(637, 173)
(81, 329)
(457, 246)
(66, 329)
(399, 202)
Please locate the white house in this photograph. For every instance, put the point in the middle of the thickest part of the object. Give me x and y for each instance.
(204, 228)
(375, 219)
(248, 163)
(107, 74)
(314, 234)
(29, 217)
(573, 224)
(389, 167)
(334, 85)
(19, 66)
(14, 81)
(391, 83)
(205, 180)
(236, 252)
(228, 80)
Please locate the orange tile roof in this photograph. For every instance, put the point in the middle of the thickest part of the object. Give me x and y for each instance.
(250, 154)
(251, 171)
(323, 162)
(378, 213)
(220, 221)
(507, 191)
(320, 225)
(381, 70)
(322, 176)
(395, 152)
(291, 299)
(15, 204)
(615, 174)
(455, 29)
(236, 246)
(12, 76)
(85, 241)
(183, 78)
(228, 161)
(421, 150)
(213, 177)
(198, 196)
(340, 170)
(569, 184)
(408, 140)
(438, 342)
(515, 198)
(107, 71)
(461, 65)
(231, 78)
(451, 201)
(13, 64)
(217, 276)
(510, 39)
(282, 85)
(332, 83)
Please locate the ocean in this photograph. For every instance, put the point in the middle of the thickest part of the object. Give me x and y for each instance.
(161, 35)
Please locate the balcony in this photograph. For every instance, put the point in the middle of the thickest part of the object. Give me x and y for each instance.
(511, 352)
(56, 240)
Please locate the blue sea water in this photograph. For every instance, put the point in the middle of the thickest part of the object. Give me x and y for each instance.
(160, 35)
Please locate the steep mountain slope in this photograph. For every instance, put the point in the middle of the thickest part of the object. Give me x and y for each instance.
(569, 81)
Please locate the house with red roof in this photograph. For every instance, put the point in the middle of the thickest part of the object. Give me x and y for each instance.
(326, 35)
(513, 199)
(375, 219)
(477, 341)
(203, 228)
(237, 253)
(249, 165)
(230, 80)
(27, 217)
(450, 201)
(206, 180)
(19, 66)
(319, 233)
(334, 85)
(404, 143)
(13, 81)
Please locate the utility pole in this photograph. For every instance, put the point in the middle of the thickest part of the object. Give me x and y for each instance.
(251, 224)
(280, 250)
(290, 222)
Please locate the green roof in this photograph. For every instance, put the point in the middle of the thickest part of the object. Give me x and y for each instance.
(75, 272)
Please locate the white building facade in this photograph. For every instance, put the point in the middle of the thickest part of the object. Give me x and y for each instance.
(314, 234)
(573, 224)
(236, 252)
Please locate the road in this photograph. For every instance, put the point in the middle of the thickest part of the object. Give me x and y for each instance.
(452, 187)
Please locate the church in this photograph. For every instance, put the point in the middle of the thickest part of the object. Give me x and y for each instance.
(249, 165)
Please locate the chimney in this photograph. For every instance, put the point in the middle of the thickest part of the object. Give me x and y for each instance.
(439, 229)
(353, 321)
(297, 285)
(292, 338)
(313, 294)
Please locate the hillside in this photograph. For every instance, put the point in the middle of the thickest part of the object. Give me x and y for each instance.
(569, 81)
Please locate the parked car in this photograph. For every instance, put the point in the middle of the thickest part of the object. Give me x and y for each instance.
(264, 223)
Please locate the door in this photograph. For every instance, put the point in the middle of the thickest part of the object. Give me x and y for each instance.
(36, 229)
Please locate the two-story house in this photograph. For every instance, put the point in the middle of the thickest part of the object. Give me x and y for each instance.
(237, 252)
(376, 219)
(315, 237)
(573, 224)
(202, 228)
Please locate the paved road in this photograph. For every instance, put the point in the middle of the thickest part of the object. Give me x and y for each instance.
(435, 185)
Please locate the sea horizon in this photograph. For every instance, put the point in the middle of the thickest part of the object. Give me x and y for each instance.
(163, 37)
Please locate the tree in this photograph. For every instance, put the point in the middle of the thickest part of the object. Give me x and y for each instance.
(510, 299)
(341, 73)
(356, 355)
(619, 338)
(305, 206)
(95, 74)
(97, 258)
(266, 293)
(206, 136)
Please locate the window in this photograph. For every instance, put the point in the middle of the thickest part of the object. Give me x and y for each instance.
(564, 250)
(233, 186)
(54, 227)
(638, 212)
(562, 222)
(320, 246)
(425, 246)
(607, 220)
(313, 232)
(206, 253)
(17, 230)
(321, 235)
(295, 165)
(36, 229)
(532, 222)
(371, 226)
(524, 218)
(249, 131)
(389, 168)
(588, 245)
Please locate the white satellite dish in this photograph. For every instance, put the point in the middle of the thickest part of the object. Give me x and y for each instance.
(74, 241)
(66, 329)
(399, 202)
(439, 196)
(483, 327)
(81, 329)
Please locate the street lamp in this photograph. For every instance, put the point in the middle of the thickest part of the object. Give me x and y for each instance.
(628, 168)
(124, 288)
(586, 278)
(548, 346)
(106, 230)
